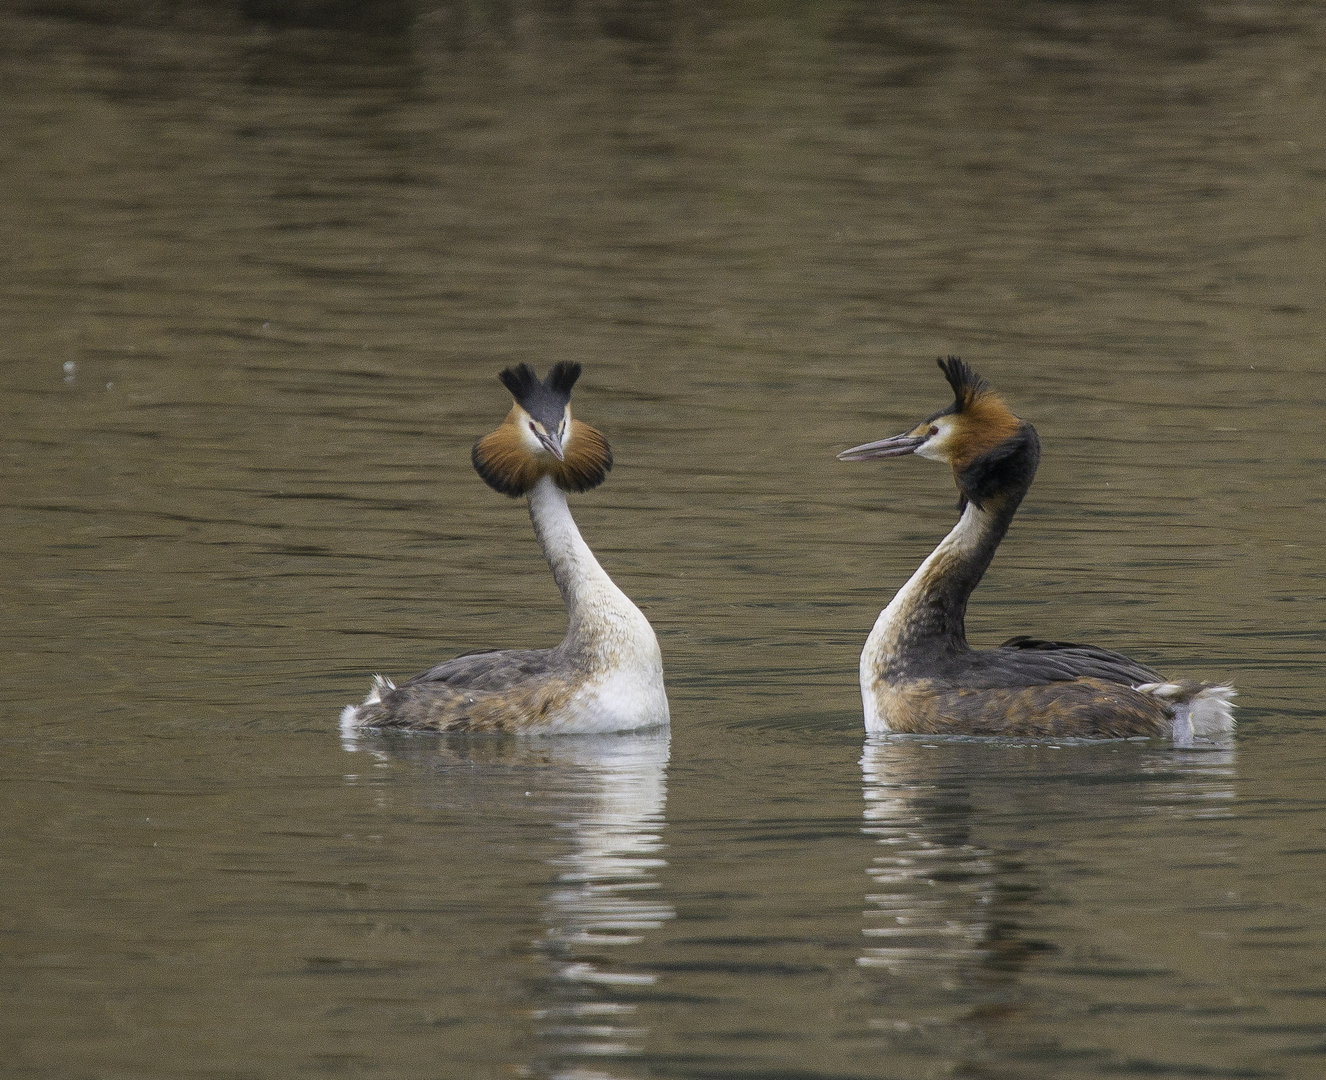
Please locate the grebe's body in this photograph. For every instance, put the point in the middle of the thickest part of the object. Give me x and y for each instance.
(919, 675)
(607, 673)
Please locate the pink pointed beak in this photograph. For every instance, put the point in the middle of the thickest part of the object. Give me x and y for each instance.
(551, 443)
(884, 448)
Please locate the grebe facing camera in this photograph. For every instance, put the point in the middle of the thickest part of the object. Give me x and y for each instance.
(607, 673)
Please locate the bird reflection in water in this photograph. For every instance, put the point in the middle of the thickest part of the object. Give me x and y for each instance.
(980, 850)
(604, 898)
(604, 796)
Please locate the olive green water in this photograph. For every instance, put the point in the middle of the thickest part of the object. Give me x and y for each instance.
(256, 280)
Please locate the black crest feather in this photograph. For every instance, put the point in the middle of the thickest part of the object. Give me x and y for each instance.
(562, 377)
(521, 380)
(544, 399)
(965, 382)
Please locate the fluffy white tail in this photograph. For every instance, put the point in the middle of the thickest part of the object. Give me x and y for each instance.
(381, 685)
(1202, 713)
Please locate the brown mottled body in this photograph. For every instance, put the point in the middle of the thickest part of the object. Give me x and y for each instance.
(1092, 707)
(484, 692)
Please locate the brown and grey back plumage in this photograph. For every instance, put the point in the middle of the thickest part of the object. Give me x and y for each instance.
(496, 691)
(606, 674)
(918, 673)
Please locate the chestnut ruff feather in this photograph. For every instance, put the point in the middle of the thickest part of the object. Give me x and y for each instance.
(505, 464)
(985, 423)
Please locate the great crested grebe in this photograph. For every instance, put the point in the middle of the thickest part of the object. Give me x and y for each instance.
(607, 673)
(919, 675)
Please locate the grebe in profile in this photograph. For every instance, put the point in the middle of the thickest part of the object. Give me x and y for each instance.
(607, 673)
(919, 675)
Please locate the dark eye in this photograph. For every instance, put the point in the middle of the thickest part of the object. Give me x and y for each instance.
(533, 428)
(933, 430)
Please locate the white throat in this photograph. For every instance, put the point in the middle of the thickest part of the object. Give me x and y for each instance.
(604, 627)
(891, 625)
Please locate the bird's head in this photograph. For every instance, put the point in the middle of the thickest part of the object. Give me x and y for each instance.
(989, 449)
(540, 438)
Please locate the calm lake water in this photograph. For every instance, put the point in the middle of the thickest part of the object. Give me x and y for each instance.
(257, 276)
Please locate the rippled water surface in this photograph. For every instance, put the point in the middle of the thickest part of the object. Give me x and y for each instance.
(258, 269)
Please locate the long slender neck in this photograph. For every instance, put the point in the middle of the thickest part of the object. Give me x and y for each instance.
(925, 623)
(601, 618)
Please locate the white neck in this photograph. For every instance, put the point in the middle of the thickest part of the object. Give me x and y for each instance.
(889, 637)
(604, 627)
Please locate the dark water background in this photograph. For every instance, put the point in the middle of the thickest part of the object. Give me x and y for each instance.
(258, 268)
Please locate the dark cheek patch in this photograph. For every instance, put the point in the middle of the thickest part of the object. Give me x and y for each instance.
(1008, 466)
